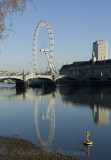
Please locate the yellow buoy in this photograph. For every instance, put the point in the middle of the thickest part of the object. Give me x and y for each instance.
(89, 143)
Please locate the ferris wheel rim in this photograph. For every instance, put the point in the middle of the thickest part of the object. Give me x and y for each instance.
(44, 143)
(51, 43)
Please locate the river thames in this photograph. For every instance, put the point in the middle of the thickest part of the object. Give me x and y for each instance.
(56, 120)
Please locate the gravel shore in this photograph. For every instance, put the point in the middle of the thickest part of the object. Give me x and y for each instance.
(18, 149)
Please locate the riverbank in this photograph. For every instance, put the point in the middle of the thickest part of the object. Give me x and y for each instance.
(18, 149)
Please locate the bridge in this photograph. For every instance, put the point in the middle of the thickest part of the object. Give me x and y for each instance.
(32, 76)
(21, 80)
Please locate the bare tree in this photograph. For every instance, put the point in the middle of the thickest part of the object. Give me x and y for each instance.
(7, 9)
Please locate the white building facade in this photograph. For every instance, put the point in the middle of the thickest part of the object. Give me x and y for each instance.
(100, 50)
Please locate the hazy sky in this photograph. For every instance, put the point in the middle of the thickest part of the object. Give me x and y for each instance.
(76, 24)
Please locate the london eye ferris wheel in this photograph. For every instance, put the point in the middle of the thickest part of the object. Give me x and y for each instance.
(48, 52)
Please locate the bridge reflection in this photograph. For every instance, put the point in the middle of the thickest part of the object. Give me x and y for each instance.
(11, 92)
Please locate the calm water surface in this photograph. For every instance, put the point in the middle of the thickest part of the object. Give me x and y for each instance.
(57, 120)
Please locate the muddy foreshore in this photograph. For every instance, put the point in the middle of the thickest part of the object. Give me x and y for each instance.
(18, 149)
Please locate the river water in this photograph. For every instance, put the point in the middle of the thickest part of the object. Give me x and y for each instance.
(56, 120)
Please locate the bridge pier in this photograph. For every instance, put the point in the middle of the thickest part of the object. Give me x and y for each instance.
(21, 84)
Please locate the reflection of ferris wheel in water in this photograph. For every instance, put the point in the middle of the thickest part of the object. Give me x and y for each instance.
(50, 114)
(48, 52)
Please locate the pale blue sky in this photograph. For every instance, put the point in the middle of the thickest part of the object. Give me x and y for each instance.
(76, 24)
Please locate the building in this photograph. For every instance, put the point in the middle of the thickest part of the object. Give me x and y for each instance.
(99, 65)
(87, 68)
(100, 50)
